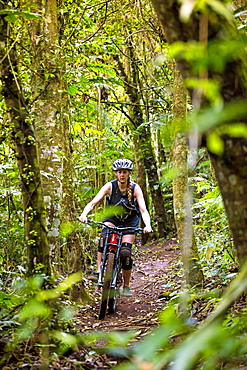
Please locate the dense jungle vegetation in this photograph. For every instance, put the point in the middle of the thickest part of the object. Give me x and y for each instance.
(164, 84)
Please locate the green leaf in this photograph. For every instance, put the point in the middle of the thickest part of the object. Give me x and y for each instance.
(211, 117)
(209, 252)
(30, 16)
(210, 88)
(73, 89)
(215, 144)
(65, 338)
(235, 130)
(62, 287)
(108, 212)
(93, 131)
(11, 18)
(34, 308)
(13, 15)
(187, 355)
(221, 8)
(68, 227)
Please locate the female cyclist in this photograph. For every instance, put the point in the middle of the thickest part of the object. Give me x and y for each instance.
(128, 198)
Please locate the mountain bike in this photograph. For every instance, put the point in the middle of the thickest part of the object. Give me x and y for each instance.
(110, 278)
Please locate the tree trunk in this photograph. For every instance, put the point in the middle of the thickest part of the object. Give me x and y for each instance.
(144, 141)
(153, 179)
(141, 180)
(47, 90)
(231, 173)
(27, 158)
(182, 197)
(52, 126)
(230, 165)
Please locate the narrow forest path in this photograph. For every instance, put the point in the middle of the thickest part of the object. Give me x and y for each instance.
(152, 274)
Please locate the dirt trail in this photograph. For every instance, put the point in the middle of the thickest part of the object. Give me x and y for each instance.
(152, 275)
(152, 264)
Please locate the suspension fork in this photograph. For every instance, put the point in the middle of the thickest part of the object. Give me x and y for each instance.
(104, 258)
(117, 262)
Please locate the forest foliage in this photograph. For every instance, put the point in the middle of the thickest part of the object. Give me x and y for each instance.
(95, 122)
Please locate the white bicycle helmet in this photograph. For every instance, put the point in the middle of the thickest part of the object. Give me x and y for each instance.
(122, 164)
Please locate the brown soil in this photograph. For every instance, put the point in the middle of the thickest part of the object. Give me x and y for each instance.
(153, 268)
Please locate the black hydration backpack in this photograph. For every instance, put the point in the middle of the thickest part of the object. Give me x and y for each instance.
(118, 199)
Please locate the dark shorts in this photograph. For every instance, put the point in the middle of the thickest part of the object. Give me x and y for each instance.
(128, 222)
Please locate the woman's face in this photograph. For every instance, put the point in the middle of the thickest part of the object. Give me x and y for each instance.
(122, 175)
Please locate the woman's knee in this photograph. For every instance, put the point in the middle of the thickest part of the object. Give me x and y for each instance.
(125, 256)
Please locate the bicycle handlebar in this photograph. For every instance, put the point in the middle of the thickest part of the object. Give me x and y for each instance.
(115, 228)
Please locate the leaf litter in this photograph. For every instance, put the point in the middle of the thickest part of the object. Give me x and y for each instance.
(156, 279)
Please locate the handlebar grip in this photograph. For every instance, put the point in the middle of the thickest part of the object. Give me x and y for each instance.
(89, 222)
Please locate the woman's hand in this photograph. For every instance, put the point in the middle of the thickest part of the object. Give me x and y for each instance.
(147, 229)
(83, 218)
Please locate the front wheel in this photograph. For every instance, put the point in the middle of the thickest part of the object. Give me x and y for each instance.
(113, 296)
(106, 287)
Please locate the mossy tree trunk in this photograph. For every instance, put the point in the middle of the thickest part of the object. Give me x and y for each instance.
(143, 140)
(52, 126)
(27, 157)
(230, 164)
(182, 197)
(46, 81)
(141, 179)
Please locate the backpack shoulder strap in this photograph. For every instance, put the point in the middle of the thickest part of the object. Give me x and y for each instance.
(113, 188)
(133, 188)
(114, 185)
(134, 200)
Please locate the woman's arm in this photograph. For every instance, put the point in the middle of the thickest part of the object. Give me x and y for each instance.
(105, 190)
(143, 209)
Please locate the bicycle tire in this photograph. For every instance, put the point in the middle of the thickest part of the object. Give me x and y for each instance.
(114, 293)
(112, 302)
(106, 286)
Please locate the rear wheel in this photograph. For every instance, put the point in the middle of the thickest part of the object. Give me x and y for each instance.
(106, 287)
